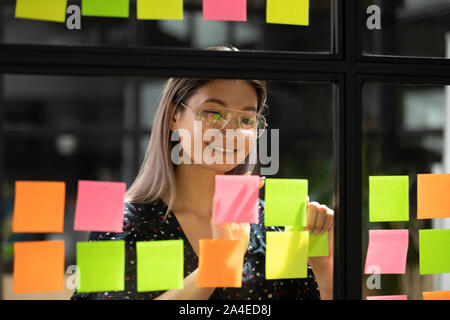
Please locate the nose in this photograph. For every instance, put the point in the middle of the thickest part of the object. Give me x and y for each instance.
(233, 123)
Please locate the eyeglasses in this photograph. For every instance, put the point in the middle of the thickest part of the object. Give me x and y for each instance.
(216, 117)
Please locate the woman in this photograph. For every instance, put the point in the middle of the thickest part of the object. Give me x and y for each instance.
(173, 200)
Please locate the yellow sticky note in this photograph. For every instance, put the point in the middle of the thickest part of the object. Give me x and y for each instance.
(287, 255)
(48, 10)
(160, 9)
(295, 12)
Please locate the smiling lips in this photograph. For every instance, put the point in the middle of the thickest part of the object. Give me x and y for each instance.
(222, 149)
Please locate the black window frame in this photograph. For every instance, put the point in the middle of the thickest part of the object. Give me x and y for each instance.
(346, 66)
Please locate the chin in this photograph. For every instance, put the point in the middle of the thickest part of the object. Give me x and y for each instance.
(220, 168)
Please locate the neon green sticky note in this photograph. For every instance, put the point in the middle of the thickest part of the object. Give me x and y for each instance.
(48, 10)
(295, 12)
(318, 243)
(160, 9)
(101, 266)
(434, 251)
(388, 198)
(285, 202)
(286, 255)
(160, 265)
(106, 8)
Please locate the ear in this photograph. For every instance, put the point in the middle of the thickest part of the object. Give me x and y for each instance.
(174, 122)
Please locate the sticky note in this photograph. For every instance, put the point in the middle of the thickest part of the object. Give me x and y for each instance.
(286, 255)
(159, 265)
(220, 263)
(106, 8)
(227, 10)
(317, 243)
(39, 207)
(294, 12)
(160, 9)
(100, 206)
(285, 201)
(38, 266)
(101, 266)
(434, 251)
(236, 198)
(47, 10)
(432, 196)
(388, 198)
(396, 297)
(436, 295)
(387, 251)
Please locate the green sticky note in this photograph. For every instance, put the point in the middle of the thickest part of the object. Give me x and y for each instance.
(160, 9)
(160, 265)
(286, 255)
(48, 10)
(318, 243)
(388, 198)
(434, 251)
(101, 266)
(285, 202)
(106, 8)
(295, 12)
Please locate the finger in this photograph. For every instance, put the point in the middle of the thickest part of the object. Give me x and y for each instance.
(311, 216)
(330, 220)
(320, 219)
(261, 182)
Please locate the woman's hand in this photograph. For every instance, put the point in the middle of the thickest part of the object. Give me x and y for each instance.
(233, 231)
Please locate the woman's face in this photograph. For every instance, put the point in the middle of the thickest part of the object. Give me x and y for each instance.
(198, 124)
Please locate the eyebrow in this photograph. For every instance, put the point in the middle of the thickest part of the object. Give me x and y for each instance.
(251, 108)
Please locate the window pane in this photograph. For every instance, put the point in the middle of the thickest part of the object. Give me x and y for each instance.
(191, 32)
(408, 28)
(405, 132)
(68, 128)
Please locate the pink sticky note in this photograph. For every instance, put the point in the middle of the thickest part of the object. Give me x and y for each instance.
(227, 10)
(397, 297)
(387, 251)
(236, 198)
(100, 206)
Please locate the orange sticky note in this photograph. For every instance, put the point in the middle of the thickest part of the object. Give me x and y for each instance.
(436, 295)
(432, 196)
(38, 266)
(39, 207)
(220, 263)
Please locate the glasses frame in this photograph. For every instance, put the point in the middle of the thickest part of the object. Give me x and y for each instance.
(259, 131)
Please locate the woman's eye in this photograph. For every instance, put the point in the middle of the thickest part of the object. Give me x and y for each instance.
(249, 121)
(213, 115)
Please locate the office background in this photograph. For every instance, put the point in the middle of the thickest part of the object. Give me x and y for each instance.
(69, 124)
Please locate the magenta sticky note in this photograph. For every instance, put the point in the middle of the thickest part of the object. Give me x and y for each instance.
(396, 297)
(100, 206)
(236, 199)
(387, 251)
(226, 10)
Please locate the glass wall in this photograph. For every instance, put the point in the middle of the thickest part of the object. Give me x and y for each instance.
(65, 128)
(416, 28)
(191, 32)
(405, 132)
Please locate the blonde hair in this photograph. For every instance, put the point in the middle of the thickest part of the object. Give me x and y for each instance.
(156, 176)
